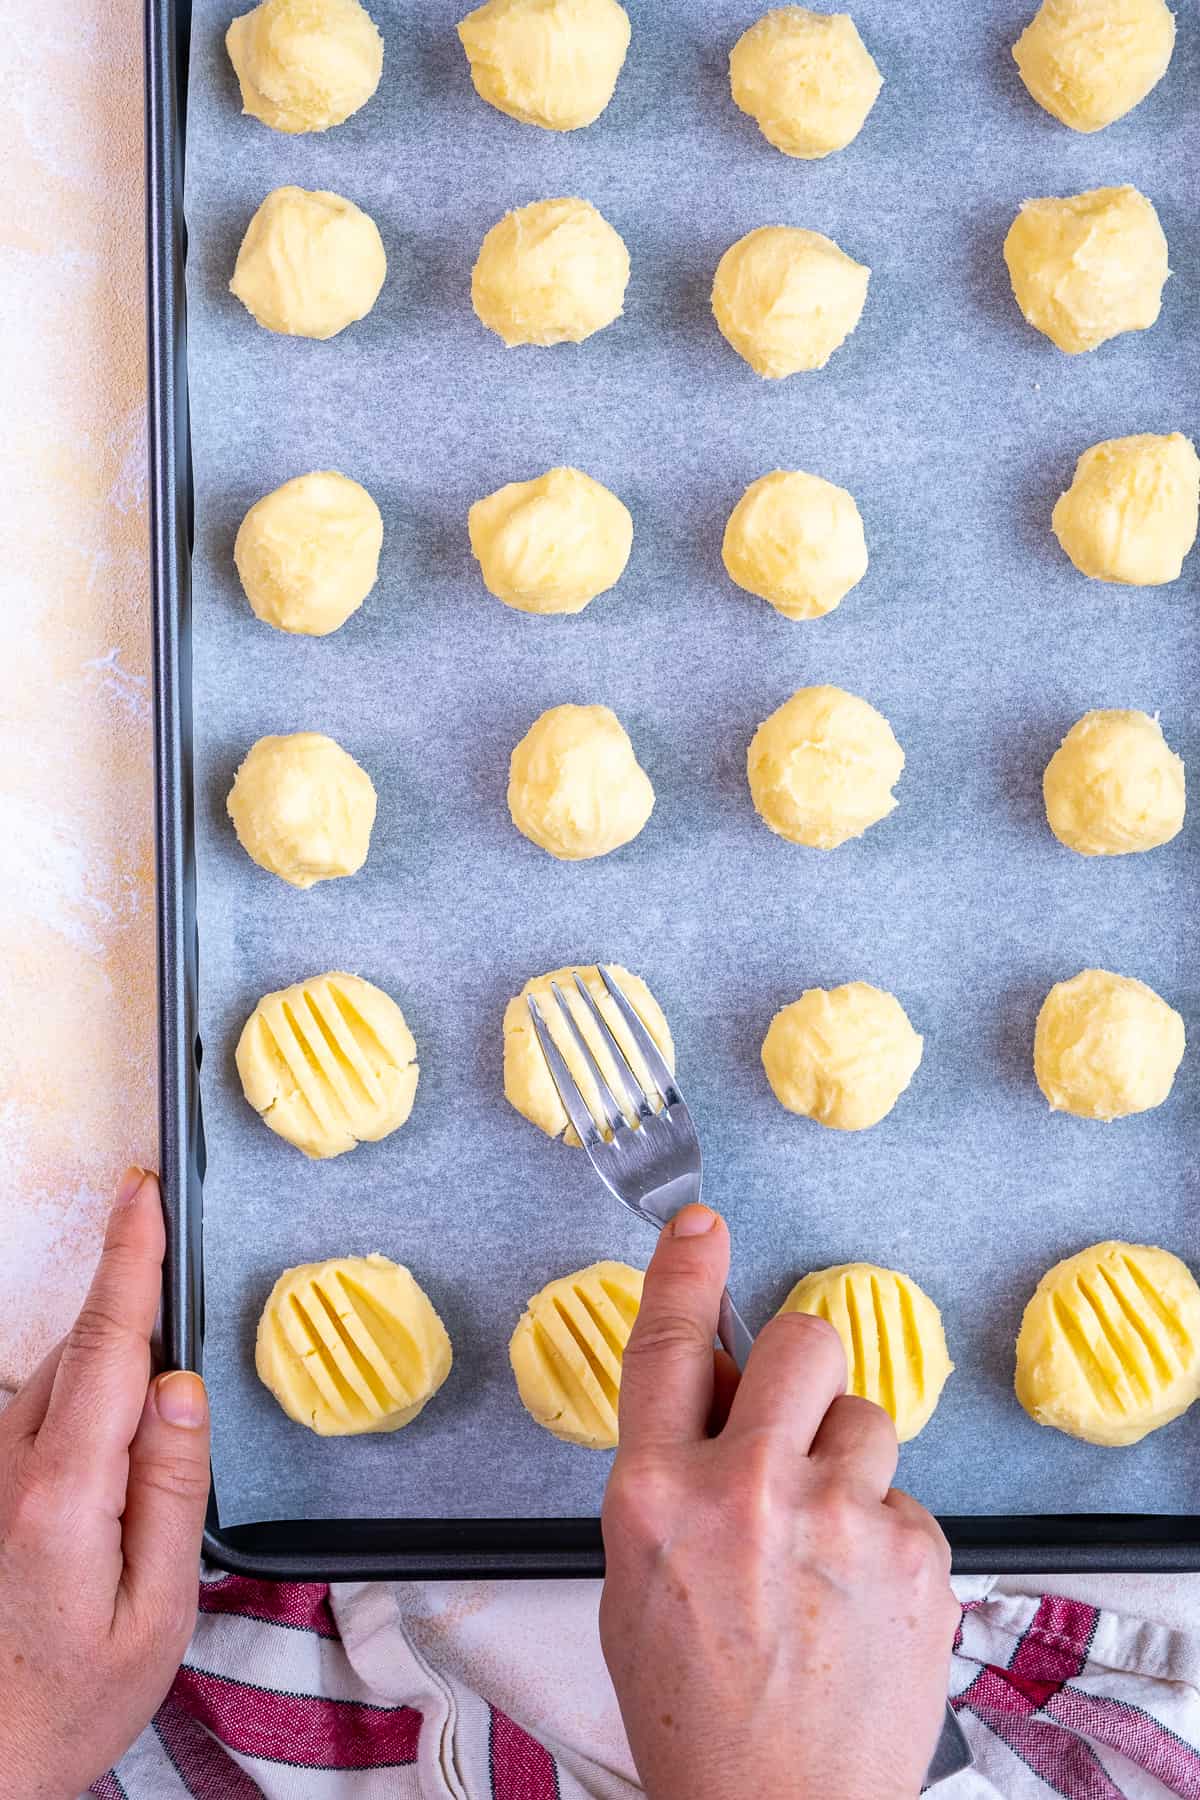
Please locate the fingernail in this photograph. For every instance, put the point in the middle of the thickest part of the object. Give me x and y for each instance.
(181, 1399)
(693, 1221)
(129, 1184)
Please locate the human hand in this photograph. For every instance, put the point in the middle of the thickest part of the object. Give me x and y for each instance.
(103, 1488)
(777, 1620)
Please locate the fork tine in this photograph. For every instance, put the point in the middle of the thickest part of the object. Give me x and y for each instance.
(631, 1087)
(574, 1104)
(613, 1116)
(651, 1054)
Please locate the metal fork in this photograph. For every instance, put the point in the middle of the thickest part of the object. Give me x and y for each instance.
(652, 1166)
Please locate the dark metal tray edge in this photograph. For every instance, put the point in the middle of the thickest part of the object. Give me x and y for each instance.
(365, 1549)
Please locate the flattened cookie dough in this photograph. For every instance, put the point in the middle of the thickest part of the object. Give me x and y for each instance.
(328, 1064)
(892, 1334)
(806, 78)
(842, 1056)
(303, 808)
(575, 787)
(310, 264)
(351, 1345)
(1089, 62)
(822, 768)
(1114, 786)
(796, 541)
(552, 544)
(550, 273)
(1106, 1046)
(307, 554)
(568, 1348)
(304, 65)
(552, 63)
(1130, 513)
(528, 1083)
(786, 299)
(1109, 1347)
(1088, 267)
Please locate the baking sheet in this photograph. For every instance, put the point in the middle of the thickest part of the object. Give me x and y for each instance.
(955, 426)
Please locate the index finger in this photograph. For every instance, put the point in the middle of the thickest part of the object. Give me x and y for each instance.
(793, 1375)
(667, 1369)
(100, 1385)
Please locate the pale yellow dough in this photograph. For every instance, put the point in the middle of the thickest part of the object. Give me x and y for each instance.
(796, 541)
(351, 1345)
(552, 63)
(310, 264)
(807, 78)
(575, 787)
(842, 1056)
(1106, 1046)
(1088, 267)
(1109, 1347)
(1130, 514)
(304, 65)
(892, 1334)
(303, 808)
(1114, 786)
(308, 553)
(328, 1064)
(568, 1348)
(528, 1083)
(551, 545)
(1089, 62)
(550, 273)
(786, 298)
(823, 766)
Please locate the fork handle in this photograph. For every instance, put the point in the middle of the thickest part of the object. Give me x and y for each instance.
(733, 1331)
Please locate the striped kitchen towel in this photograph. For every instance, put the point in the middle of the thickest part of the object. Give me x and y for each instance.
(306, 1692)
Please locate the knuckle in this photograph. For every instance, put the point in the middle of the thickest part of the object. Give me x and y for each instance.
(97, 1329)
(639, 1505)
(804, 1334)
(921, 1554)
(666, 1336)
(175, 1477)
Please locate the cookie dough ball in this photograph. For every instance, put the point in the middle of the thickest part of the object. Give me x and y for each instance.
(307, 554)
(1130, 514)
(303, 808)
(1106, 1046)
(842, 1056)
(892, 1334)
(1114, 786)
(575, 787)
(304, 65)
(528, 1083)
(310, 263)
(550, 273)
(552, 63)
(568, 1348)
(328, 1064)
(351, 1345)
(1109, 1347)
(1089, 62)
(807, 78)
(551, 545)
(796, 541)
(1086, 268)
(786, 299)
(822, 768)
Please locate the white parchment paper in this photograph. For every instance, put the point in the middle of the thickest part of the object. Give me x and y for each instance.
(955, 426)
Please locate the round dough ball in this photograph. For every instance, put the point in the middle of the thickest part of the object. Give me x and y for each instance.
(1088, 267)
(552, 63)
(568, 1349)
(1130, 514)
(892, 1334)
(351, 1345)
(304, 65)
(796, 541)
(575, 787)
(328, 1064)
(551, 545)
(1089, 62)
(308, 553)
(1106, 1046)
(550, 273)
(303, 808)
(1109, 1347)
(310, 263)
(528, 1083)
(1114, 786)
(822, 767)
(807, 78)
(786, 299)
(842, 1056)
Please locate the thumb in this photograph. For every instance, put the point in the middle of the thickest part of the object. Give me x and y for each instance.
(166, 1502)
